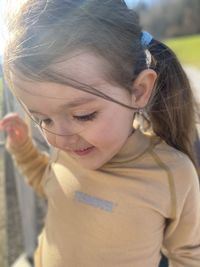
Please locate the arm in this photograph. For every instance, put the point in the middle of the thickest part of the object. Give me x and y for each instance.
(182, 234)
(31, 162)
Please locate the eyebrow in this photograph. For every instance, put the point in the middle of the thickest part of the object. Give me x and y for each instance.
(72, 104)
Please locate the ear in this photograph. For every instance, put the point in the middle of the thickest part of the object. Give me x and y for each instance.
(143, 87)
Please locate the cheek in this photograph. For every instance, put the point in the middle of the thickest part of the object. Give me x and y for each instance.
(107, 132)
(118, 123)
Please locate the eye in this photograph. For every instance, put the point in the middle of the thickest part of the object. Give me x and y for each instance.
(42, 122)
(45, 122)
(87, 117)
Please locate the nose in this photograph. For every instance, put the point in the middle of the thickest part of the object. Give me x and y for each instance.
(63, 142)
(63, 136)
(64, 127)
(66, 141)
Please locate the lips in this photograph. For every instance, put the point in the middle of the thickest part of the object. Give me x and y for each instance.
(83, 151)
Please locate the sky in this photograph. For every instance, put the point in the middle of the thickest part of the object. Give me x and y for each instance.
(130, 4)
(133, 3)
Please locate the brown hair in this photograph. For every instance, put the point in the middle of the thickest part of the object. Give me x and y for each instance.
(45, 32)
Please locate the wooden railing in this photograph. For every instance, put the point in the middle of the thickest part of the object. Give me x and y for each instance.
(24, 212)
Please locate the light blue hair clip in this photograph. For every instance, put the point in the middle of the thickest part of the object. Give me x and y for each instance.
(146, 38)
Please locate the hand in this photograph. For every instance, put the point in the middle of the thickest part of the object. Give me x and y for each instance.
(16, 129)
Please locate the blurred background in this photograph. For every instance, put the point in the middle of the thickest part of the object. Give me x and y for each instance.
(177, 23)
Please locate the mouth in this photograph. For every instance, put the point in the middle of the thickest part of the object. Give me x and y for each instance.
(84, 151)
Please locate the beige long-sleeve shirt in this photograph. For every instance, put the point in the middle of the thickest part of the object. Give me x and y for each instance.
(143, 200)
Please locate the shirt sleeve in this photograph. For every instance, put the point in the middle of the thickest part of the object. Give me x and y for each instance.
(182, 233)
(32, 163)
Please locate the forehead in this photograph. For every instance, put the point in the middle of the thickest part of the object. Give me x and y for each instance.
(49, 97)
(82, 68)
(85, 68)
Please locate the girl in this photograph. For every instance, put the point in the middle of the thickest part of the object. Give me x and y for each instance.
(117, 196)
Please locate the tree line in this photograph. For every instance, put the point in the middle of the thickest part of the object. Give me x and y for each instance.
(170, 18)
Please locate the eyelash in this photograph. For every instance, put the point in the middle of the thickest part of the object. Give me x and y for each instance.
(46, 121)
(88, 117)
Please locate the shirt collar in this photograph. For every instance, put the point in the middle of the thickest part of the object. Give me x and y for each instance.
(136, 145)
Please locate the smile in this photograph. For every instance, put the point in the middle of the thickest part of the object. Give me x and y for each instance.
(83, 152)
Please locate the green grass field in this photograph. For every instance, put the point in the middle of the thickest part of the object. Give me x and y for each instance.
(187, 49)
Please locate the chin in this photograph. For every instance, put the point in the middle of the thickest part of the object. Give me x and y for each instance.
(91, 165)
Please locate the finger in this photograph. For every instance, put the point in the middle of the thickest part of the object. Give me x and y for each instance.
(8, 124)
(13, 120)
(10, 116)
(10, 130)
(19, 128)
(17, 133)
(15, 136)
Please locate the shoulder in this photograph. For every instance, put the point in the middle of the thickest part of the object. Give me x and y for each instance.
(178, 165)
(182, 177)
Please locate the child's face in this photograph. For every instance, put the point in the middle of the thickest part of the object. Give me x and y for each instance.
(93, 130)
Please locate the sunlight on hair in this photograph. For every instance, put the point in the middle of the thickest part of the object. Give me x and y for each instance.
(2, 26)
(14, 6)
(9, 9)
